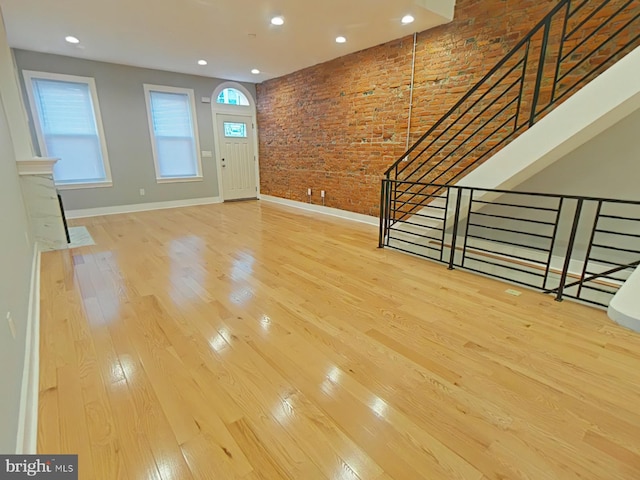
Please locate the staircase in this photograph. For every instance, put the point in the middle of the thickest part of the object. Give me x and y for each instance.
(420, 211)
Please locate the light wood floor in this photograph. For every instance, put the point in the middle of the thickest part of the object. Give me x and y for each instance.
(253, 341)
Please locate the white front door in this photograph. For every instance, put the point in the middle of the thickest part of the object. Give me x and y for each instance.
(237, 158)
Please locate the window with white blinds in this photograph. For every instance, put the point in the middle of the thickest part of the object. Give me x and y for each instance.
(66, 113)
(173, 130)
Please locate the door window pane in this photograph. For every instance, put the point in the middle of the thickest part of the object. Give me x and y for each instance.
(232, 96)
(235, 130)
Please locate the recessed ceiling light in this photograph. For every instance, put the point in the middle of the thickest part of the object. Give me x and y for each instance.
(407, 19)
(202, 62)
(71, 39)
(341, 40)
(277, 21)
(255, 71)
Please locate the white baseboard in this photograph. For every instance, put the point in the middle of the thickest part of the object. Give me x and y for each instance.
(334, 212)
(140, 207)
(26, 442)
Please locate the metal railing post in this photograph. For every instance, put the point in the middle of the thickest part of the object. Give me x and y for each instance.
(455, 228)
(567, 258)
(543, 54)
(587, 257)
(383, 203)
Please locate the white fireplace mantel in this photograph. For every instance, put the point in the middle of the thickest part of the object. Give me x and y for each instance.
(36, 166)
(41, 198)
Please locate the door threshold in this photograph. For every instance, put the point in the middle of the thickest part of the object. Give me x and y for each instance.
(241, 199)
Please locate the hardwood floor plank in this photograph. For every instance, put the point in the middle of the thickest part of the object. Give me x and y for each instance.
(264, 465)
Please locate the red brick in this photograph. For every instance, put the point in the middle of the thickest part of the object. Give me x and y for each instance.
(339, 125)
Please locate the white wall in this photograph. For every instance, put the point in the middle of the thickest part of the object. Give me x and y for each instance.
(14, 108)
(16, 248)
(608, 166)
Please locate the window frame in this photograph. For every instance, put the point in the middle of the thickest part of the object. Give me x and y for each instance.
(148, 88)
(29, 76)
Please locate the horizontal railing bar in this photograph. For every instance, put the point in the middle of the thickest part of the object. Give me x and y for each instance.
(528, 220)
(618, 217)
(607, 262)
(620, 268)
(404, 222)
(518, 80)
(423, 215)
(598, 289)
(546, 237)
(508, 267)
(407, 202)
(518, 193)
(504, 242)
(617, 249)
(588, 56)
(515, 205)
(414, 243)
(502, 277)
(589, 17)
(416, 213)
(490, 151)
(420, 235)
(477, 159)
(541, 24)
(611, 232)
(576, 10)
(450, 154)
(508, 256)
(592, 71)
(609, 277)
(409, 192)
(498, 128)
(395, 247)
(588, 37)
(429, 205)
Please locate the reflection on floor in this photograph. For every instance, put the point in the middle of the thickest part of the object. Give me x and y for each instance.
(80, 237)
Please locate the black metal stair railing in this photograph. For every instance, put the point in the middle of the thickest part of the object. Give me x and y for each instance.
(574, 43)
(570, 246)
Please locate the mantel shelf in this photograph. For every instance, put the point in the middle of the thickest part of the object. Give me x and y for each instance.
(36, 166)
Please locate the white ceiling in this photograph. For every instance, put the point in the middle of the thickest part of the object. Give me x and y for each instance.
(234, 36)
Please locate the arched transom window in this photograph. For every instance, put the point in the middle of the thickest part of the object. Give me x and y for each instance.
(232, 96)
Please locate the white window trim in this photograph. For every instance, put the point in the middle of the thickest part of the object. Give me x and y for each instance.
(148, 88)
(29, 75)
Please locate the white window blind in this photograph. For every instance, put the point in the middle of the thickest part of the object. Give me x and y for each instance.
(68, 129)
(172, 127)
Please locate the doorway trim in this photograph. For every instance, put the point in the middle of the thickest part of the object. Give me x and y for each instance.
(243, 110)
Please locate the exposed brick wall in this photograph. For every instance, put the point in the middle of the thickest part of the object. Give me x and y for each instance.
(337, 126)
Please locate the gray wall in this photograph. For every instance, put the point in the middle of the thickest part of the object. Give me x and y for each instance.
(15, 264)
(606, 166)
(126, 129)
